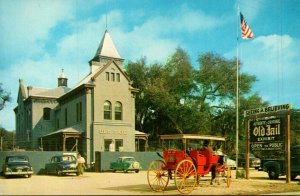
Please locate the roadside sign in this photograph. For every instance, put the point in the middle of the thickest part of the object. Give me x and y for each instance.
(263, 110)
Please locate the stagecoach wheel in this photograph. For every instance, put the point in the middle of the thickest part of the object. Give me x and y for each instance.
(185, 176)
(228, 180)
(157, 175)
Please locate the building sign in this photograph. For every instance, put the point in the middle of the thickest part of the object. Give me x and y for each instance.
(119, 132)
(262, 110)
(267, 134)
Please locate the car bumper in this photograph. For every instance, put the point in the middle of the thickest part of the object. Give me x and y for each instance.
(18, 173)
(69, 171)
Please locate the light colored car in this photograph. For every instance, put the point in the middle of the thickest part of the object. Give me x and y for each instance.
(125, 164)
(230, 163)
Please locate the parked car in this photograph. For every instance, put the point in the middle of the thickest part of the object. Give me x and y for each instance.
(254, 162)
(61, 165)
(125, 164)
(230, 163)
(276, 167)
(17, 165)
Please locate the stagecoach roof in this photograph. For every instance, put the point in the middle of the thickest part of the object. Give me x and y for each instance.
(191, 136)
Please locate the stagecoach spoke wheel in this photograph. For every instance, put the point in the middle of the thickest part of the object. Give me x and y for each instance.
(185, 176)
(157, 175)
(228, 180)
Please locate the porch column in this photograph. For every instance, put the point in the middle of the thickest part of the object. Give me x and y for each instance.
(64, 142)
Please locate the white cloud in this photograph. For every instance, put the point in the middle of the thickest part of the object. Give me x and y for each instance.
(275, 63)
(26, 23)
(158, 36)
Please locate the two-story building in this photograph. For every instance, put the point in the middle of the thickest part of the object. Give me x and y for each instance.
(98, 114)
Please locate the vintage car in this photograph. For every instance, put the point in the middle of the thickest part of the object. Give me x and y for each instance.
(230, 163)
(62, 165)
(253, 161)
(125, 164)
(17, 165)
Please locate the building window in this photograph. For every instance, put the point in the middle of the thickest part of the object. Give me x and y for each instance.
(112, 76)
(107, 110)
(107, 142)
(119, 145)
(118, 111)
(107, 76)
(46, 113)
(118, 77)
(66, 116)
(79, 112)
(57, 123)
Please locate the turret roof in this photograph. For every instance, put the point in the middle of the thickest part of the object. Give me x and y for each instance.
(107, 47)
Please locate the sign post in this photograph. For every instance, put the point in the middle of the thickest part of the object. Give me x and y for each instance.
(268, 131)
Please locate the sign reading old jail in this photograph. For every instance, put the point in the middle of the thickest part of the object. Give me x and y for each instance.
(267, 134)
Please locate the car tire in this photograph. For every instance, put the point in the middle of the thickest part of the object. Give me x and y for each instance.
(126, 171)
(273, 174)
(137, 171)
(29, 176)
(46, 171)
(58, 173)
(293, 176)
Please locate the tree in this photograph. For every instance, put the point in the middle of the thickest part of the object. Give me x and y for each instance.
(6, 142)
(177, 98)
(4, 97)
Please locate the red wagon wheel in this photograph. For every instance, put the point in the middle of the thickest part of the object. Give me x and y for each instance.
(224, 173)
(157, 175)
(185, 176)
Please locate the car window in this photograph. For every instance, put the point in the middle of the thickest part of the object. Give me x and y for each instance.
(119, 160)
(128, 159)
(55, 160)
(17, 159)
(68, 158)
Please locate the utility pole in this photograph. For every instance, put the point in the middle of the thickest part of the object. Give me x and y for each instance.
(1, 142)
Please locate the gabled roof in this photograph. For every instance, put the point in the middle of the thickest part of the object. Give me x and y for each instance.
(55, 93)
(91, 76)
(107, 47)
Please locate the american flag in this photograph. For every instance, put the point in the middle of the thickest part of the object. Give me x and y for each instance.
(246, 31)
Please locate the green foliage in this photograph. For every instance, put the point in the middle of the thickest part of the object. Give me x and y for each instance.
(7, 139)
(177, 98)
(4, 97)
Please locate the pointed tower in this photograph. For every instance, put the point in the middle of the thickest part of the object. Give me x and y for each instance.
(62, 80)
(105, 53)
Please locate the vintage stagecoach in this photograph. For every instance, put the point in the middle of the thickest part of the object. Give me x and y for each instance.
(185, 162)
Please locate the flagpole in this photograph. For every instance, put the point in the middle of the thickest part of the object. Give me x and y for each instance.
(237, 94)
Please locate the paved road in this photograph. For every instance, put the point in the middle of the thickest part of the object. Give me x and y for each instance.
(134, 184)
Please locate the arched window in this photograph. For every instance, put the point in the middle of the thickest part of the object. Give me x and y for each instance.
(107, 110)
(46, 113)
(118, 111)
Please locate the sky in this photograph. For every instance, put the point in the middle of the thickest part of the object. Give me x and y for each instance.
(38, 38)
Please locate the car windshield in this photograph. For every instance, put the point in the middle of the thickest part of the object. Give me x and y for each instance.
(17, 159)
(128, 159)
(68, 158)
